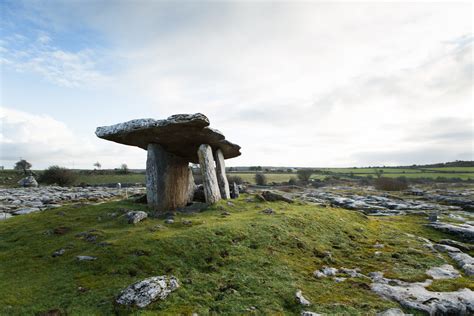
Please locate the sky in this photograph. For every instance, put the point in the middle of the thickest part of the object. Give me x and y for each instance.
(308, 84)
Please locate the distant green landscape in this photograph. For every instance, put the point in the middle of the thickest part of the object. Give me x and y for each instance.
(88, 177)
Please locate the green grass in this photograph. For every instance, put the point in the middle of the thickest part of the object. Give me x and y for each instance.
(225, 264)
(110, 178)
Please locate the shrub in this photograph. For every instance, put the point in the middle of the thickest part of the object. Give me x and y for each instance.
(23, 166)
(260, 178)
(389, 184)
(304, 174)
(235, 179)
(292, 181)
(58, 175)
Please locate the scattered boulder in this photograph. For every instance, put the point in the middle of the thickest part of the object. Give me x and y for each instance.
(144, 292)
(28, 210)
(4, 216)
(28, 182)
(301, 299)
(58, 252)
(136, 216)
(272, 196)
(169, 221)
(446, 271)
(234, 191)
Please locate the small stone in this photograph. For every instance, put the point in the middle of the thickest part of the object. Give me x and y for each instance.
(268, 211)
(318, 274)
(59, 252)
(169, 221)
(86, 258)
(329, 271)
(300, 299)
(379, 246)
(186, 222)
(339, 279)
(229, 203)
(306, 313)
(135, 217)
(225, 214)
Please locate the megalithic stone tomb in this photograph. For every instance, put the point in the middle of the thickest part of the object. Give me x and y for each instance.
(171, 144)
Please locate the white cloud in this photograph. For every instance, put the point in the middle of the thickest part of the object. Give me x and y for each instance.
(308, 84)
(61, 67)
(44, 141)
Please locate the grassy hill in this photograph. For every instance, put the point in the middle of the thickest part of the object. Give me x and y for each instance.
(225, 264)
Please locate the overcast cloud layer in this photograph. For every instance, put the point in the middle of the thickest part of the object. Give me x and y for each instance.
(295, 84)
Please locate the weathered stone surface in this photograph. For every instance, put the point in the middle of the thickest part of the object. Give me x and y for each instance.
(234, 191)
(392, 312)
(446, 271)
(20, 201)
(271, 196)
(221, 175)
(4, 216)
(144, 292)
(457, 244)
(136, 216)
(463, 231)
(301, 299)
(180, 134)
(28, 181)
(307, 313)
(208, 172)
(167, 179)
(416, 296)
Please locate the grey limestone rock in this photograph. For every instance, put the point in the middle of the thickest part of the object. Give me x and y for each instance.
(144, 292)
(136, 216)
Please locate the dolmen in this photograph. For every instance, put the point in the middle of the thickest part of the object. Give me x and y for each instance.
(172, 144)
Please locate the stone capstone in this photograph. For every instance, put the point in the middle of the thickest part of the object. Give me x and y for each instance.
(144, 292)
(179, 134)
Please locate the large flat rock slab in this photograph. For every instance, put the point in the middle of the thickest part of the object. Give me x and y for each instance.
(179, 134)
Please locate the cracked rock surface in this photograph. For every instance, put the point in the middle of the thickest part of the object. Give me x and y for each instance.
(144, 292)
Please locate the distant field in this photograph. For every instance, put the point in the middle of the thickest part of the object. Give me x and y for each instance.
(111, 178)
(10, 178)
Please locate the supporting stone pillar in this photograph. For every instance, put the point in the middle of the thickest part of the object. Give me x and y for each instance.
(221, 176)
(191, 185)
(208, 171)
(167, 179)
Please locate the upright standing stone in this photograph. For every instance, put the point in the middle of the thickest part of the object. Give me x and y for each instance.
(191, 185)
(167, 179)
(208, 171)
(221, 176)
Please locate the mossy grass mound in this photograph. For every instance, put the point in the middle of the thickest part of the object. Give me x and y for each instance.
(245, 262)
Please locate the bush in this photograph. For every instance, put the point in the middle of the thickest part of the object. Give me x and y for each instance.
(58, 175)
(235, 179)
(260, 179)
(389, 184)
(304, 174)
(292, 181)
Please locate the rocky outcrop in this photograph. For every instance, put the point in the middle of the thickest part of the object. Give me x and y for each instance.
(271, 196)
(20, 201)
(144, 292)
(27, 182)
(463, 231)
